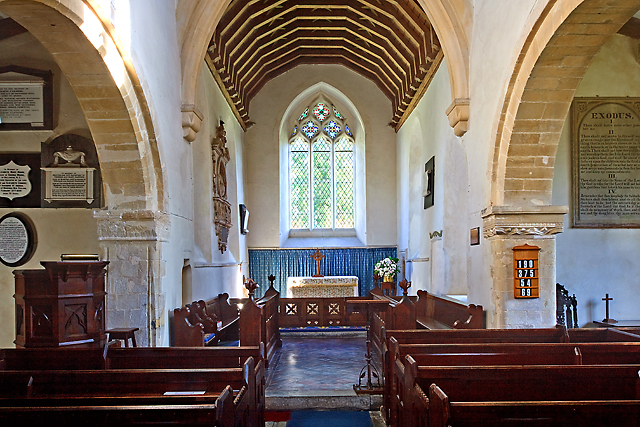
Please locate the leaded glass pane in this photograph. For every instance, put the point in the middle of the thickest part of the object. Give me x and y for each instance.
(344, 176)
(332, 129)
(310, 129)
(299, 185)
(299, 144)
(337, 113)
(295, 130)
(344, 144)
(304, 114)
(322, 185)
(321, 111)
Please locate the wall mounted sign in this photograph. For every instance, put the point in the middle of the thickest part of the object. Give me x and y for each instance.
(20, 180)
(26, 99)
(429, 182)
(525, 271)
(71, 173)
(17, 239)
(606, 162)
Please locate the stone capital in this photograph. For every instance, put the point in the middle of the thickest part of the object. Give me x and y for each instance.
(458, 114)
(518, 222)
(138, 225)
(191, 121)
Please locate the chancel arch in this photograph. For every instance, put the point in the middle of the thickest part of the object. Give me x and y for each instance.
(88, 53)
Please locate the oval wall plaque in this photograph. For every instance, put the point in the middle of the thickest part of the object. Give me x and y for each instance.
(17, 239)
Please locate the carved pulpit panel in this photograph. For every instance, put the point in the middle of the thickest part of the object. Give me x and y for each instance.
(221, 207)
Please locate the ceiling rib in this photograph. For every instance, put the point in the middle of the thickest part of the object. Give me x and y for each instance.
(389, 42)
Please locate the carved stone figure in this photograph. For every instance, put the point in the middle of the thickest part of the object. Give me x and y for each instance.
(70, 156)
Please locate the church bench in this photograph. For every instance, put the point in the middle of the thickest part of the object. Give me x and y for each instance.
(518, 384)
(599, 353)
(444, 411)
(225, 314)
(142, 386)
(442, 312)
(127, 358)
(558, 334)
(188, 334)
(199, 414)
(259, 324)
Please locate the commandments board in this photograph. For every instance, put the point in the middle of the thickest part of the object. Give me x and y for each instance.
(606, 162)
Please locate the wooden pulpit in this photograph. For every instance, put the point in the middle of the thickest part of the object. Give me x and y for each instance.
(62, 305)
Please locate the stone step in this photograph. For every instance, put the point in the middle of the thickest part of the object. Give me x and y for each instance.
(338, 400)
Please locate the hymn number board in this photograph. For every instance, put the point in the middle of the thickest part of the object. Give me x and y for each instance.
(525, 271)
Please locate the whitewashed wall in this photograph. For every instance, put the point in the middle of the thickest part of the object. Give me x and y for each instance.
(435, 240)
(593, 262)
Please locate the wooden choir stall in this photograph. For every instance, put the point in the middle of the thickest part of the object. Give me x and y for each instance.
(61, 305)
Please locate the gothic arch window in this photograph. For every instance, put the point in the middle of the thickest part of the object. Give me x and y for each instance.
(321, 170)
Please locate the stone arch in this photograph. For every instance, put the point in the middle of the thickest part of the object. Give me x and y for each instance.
(453, 22)
(554, 58)
(197, 20)
(84, 46)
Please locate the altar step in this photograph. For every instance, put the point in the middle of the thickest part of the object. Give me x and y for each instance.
(322, 400)
(320, 332)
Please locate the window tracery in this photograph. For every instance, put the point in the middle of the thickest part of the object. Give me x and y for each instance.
(321, 169)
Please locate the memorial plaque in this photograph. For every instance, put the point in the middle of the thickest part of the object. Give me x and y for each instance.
(26, 99)
(606, 162)
(71, 173)
(17, 239)
(20, 180)
(69, 184)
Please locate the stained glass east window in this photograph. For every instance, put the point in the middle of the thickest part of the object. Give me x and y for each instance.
(321, 170)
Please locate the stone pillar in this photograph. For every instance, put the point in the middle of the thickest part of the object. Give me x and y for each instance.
(132, 243)
(505, 227)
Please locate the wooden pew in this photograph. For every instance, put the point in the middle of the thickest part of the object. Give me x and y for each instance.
(442, 312)
(127, 358)
(225, 314)
(101, 412)
(30, 373)
(187, 334)
(259, 323)
(560, 387)
(417, 343)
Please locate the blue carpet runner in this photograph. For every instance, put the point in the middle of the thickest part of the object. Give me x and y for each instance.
(330, 419)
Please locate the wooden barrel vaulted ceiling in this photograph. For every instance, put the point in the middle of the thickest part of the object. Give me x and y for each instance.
(389, 42)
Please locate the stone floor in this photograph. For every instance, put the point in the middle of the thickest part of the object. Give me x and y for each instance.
(311, 373)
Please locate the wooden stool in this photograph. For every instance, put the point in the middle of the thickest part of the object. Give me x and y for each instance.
(123, 334)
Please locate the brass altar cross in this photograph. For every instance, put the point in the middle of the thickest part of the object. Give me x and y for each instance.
(317, 256)
(606, 299)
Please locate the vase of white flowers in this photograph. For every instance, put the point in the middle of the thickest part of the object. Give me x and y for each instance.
(387, 269)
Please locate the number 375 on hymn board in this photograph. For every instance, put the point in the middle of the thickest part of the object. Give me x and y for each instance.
(525, 271)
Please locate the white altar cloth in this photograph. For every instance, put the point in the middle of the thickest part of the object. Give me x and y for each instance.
(322, 287)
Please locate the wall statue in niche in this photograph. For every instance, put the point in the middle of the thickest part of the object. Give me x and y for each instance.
(221, 207)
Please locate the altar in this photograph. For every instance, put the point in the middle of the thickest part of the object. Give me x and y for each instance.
(322, 287)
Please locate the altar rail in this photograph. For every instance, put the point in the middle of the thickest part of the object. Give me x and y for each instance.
(317, 312)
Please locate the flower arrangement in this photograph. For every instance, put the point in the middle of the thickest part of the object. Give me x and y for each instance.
(387, 267)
